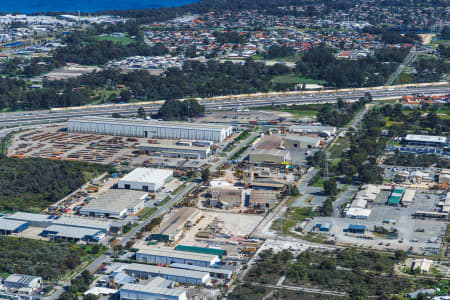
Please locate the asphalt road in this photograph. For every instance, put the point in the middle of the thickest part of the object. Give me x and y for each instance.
(43, 116)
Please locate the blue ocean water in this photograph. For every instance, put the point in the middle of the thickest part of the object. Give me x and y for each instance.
(33, 6)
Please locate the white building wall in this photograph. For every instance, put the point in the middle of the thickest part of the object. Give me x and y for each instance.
(139, 295)
(153, 130)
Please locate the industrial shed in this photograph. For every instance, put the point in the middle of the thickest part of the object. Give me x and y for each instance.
(36, 220)
(150, 292)
(146, 179)
(150, 128)
(226, 197)
(75, 234)
(177, 275)
(172, 228)
(12, 226)
(272, 156)
(83, 223)
(176, 151)
(360, 229)
(213, 272)
(300, 142)
(115, 204)
(168, 256)
(408, 196)
(17, 281)
(213, 251)
(425, 140)
(312, 129)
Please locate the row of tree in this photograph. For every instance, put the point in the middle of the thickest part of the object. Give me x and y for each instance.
(319, 63)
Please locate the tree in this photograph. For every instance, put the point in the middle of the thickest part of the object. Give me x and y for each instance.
(205, 174)
(95, 249)
(141, 113)
(340, 103)
(118, 248)
(400, 255)
(125, 95)
(330, 187)
(90, 297)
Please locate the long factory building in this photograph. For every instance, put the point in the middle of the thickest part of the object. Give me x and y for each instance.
(177, 275)
(167, 256)
(150, 128)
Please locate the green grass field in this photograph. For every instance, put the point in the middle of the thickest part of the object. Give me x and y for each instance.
(298, 111)
(292, 79)
(119, 40)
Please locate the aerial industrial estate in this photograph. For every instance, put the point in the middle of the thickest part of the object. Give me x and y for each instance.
(276, 151)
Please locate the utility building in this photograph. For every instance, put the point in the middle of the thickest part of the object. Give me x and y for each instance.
(150, 128)
(146, 179)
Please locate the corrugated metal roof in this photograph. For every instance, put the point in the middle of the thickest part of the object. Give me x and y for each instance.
(10, 225)
(165, 271)
(166, 252)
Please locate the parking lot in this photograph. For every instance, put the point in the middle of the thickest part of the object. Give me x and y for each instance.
(423, 235)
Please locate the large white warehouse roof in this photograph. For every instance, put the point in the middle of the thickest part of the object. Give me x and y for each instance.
(150, 128)
(146, 175)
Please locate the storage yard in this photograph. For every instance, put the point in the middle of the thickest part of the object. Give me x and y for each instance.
(410, 221)
(54, 142)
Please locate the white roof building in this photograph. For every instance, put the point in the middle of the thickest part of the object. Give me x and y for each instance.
(358, 213)
(115, 204)
(422, 264)
(146, 179)
(425, 139)
(359, 203)
(409, 195)
(22, 281)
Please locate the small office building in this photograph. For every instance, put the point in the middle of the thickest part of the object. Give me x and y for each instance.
(146, 179)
